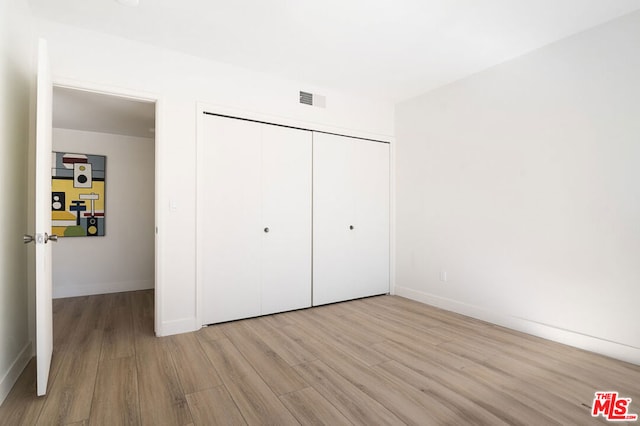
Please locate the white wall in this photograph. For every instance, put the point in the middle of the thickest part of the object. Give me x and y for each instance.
(16, 80)
(122, 260)
(523, 184)
(181, 81)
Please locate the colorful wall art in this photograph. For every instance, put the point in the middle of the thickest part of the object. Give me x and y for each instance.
(77, 194)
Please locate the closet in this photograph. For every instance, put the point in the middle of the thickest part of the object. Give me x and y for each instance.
(288, 218)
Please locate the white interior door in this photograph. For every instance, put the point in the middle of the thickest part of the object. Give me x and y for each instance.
(230, 222)
(286, 213)
(44, 311)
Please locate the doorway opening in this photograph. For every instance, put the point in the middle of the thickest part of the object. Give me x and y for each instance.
(106, 219)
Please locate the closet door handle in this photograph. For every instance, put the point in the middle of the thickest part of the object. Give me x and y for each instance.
(266, 230)
(352, 227)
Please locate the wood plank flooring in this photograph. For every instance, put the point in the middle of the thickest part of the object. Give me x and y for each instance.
(377, 361)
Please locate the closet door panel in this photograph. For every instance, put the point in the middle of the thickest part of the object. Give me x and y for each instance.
(286, 212)
(231, 231)
(351, 218)
(333, 215)
(371, 254)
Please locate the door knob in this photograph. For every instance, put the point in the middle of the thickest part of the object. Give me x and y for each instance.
(266, 229)
(51, 237)
(27, 238)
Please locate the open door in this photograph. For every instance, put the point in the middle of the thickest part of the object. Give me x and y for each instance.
(44, 311)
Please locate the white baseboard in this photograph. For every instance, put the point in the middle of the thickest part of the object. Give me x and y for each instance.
(185, 325)
(17, 367)
(74, 290)
(594, 344)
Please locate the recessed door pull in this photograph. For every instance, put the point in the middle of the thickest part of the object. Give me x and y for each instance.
(266, 229)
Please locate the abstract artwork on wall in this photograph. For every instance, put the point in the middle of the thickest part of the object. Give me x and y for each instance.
(77, 194)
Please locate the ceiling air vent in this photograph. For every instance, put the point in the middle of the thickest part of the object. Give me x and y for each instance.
(313, 100)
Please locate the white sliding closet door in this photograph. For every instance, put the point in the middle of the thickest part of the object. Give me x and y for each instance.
(351, 218)
(372, 190)
(333, 215)
(231, 230)
(256, 225)
(286, 212)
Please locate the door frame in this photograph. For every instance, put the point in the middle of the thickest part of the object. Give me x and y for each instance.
(159, 218)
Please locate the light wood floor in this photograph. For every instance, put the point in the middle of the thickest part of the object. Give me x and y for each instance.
(375, 361)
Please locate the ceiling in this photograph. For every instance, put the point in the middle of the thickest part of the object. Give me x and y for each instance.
(383, 49)
(96, 112)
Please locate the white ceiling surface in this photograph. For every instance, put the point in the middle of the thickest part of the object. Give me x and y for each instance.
(384, 49)
(95, 112)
